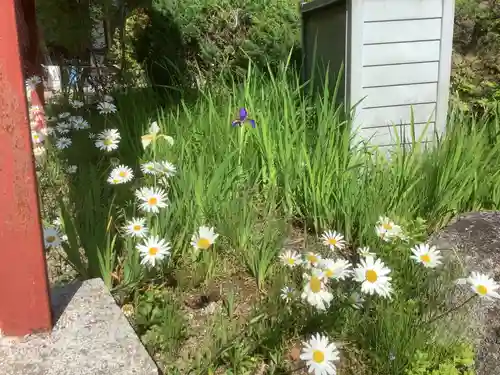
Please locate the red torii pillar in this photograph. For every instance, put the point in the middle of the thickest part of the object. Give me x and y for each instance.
(24, 294)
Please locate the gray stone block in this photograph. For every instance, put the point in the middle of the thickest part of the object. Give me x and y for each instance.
(91, 337)
(475, 239)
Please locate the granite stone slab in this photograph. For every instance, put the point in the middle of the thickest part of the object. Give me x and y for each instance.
(91, 337)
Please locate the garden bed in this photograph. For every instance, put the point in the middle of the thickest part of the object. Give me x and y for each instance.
(282, 181)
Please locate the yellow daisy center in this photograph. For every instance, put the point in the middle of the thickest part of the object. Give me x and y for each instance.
(36, 137)
(481, 290)
(203, 243)
(387, 226)
(291, 261)
(329, 273)
(318, 356)
(332, 241)
(315, 284)
(312, 258)
(153, 251)
(425, 258)
(108, 142)
(137, 227)
(153, 201)
(371, 276)
(50, 239)
(122, 174)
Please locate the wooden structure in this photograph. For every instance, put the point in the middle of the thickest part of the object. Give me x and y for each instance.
(24, 297)
(397, 55)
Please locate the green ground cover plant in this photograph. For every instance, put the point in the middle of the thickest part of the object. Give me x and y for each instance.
(247, 233)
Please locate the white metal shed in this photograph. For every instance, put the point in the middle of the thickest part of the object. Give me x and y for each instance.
(397, 56)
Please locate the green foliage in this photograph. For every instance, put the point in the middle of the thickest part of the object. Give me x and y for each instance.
(66, 24)
(159, 321)
(297, 164)
(191, 42)
(476, 63)
(456, 360)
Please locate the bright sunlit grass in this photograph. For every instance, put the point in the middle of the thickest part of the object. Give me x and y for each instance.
(228, 205)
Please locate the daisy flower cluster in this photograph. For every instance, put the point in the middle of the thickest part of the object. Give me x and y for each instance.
(370, 277)
(151, 201)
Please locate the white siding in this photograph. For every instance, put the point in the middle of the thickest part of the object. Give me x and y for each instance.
(390, 135)
(400, 57)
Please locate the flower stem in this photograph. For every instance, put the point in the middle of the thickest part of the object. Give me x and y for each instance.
(455, 308)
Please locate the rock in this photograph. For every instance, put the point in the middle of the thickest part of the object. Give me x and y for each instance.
(475, 237)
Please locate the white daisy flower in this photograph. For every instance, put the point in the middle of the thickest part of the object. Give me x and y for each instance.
(311, 260)
(165, 168)
(333, 240)
(357, 300)
(291, 258)
(120, 175)
(63, 142)
(319, 354)
(49, 130)
(51, 237)
(336, 269)
(77, 104)
(63, 127)
(108, 98)
(484, 286)
(427, 255)
(72, 169)
(39, 151)
(387, 230)
(79, 123)
(136, 227)
(64, 115)
(108, 140)
(153, 250)
(149, 168)
(37, 137)
(203, 238)
(152, 199)
(365, 252)
(33, 81)
(372, 274)
(57, 222)
(287, 294)
(315, 292)
(92, 135)
(106, 108)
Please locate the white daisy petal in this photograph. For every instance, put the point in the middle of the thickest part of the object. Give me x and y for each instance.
(120, 175)
(51, 237)
(203, 238)
(136, 227)
(333, 240)
(291, 258)
(315, 292)
(426, 255)
(108, 140)
(373, 276)
(151, 199)
(319, 355)
(484, 286)
(153, 250)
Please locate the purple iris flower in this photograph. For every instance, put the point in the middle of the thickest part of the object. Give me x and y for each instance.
(243, 118)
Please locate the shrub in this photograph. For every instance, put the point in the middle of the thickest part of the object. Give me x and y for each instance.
(207, 38)
(476, 64)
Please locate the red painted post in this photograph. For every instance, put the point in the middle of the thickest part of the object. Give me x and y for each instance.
(24, 296)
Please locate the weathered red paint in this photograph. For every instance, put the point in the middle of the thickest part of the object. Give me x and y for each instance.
(24, 297)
